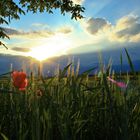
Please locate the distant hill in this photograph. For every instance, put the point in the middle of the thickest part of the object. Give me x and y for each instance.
(87, 61)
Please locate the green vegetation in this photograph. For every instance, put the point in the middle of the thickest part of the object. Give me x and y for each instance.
(71, 107)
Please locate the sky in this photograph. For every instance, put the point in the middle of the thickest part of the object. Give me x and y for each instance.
(107, 24)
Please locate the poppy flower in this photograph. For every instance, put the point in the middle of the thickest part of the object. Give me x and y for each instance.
(19, 80)
(119, 84)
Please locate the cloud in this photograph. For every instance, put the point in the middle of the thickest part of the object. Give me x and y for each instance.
(126, 29)
(29, 34)
(38, 33)
(40, 26)
(126, 21)
(94, 25)
(10, 31)
(18, 49)
(65, 29)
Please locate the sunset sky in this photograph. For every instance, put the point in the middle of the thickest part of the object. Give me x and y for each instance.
(108, 24)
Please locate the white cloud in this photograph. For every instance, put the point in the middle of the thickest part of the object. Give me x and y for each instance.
(40, 26)
(127, 29)
(126, 22)
(65, 29)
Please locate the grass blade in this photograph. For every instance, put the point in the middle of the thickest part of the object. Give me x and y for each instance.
(62, 74)
(129, 61)
(4, 137)
(6, 73)
(121, 61)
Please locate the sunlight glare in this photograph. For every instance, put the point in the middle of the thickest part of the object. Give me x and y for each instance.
(55, 46)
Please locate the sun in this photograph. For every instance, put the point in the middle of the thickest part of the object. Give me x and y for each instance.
(41, 53)
(54, 46)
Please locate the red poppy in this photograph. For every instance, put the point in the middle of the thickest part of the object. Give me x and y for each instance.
(19, 80)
